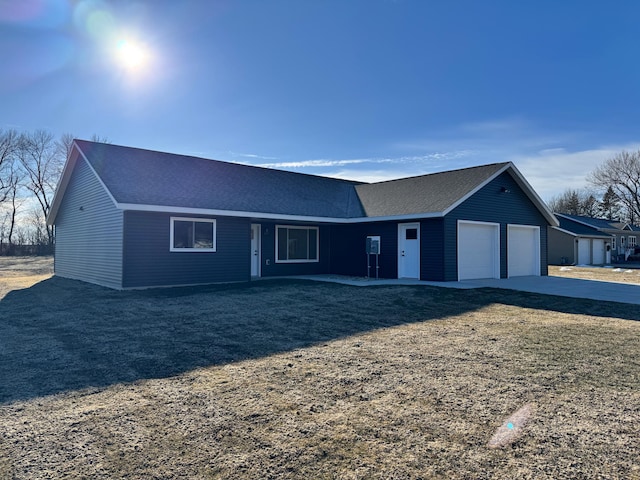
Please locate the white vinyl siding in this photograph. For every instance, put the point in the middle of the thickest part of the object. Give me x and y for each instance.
(89, 232)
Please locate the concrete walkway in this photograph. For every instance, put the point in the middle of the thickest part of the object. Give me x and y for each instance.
(564, 287)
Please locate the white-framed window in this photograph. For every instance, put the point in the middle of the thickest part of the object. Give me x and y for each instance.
(295, 244)
(192, 234)
(622, 242)
(613, 242)
(632, 242)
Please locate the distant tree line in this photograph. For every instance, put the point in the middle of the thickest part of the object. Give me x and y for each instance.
(30, 167)
(614, 192)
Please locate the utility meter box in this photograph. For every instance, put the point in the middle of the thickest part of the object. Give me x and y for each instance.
(373, 245)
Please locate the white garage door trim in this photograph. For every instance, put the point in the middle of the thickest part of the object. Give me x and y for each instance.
(478, 250)
(523, 250)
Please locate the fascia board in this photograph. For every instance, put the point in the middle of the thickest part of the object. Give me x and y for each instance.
(270, 216)
(475, 190)
(61, 188)
(64, 182)
(533, 196)
(522, 183)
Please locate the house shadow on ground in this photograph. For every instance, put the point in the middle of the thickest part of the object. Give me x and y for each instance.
(62, 335)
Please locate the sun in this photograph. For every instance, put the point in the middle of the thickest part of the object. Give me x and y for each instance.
(132, 55)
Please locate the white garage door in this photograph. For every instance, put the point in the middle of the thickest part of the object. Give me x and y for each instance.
(598, 252)
(523, 247)
(478, 250)
(584, 251)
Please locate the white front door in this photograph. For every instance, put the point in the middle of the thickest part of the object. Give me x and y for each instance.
(408, 250)
(255, 250)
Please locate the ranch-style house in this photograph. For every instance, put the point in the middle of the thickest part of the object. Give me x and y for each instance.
(132, 218)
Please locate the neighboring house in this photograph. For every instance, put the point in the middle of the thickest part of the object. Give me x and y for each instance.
(580, 240)
(131, 218)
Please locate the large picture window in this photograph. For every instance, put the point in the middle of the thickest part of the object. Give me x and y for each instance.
(296, 244)
(193, 235)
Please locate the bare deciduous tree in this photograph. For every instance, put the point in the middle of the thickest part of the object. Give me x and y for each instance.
(8, 145)
(42, 163)
(622, 174)
(575, 202)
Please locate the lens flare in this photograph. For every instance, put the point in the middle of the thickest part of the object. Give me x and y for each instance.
(133, 56)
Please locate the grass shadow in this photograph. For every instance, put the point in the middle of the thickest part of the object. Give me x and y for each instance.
(62, 335)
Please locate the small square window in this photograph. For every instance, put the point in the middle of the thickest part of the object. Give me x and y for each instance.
(412, 234)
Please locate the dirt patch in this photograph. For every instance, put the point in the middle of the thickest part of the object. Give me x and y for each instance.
(604, 274)
(21, 272)
(288, 379)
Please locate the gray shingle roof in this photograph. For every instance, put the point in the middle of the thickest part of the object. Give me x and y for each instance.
(597, 223)
(579, 228)
(431, 193)
(150, 180)
(144, 177)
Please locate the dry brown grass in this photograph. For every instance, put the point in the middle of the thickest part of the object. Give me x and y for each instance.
(604, 274)
(286, 379)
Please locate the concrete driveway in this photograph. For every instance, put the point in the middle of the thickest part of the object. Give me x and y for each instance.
(565, 287)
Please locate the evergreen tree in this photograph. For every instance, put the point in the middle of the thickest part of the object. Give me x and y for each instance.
(609, 207)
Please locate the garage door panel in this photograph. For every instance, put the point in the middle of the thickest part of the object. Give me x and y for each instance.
(478, 251)
(584, 251)
(523, 246)
(598, 252)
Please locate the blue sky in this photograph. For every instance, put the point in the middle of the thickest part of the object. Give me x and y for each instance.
(360, 89)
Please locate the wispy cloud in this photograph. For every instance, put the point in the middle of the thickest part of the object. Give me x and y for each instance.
(552, 161)
(552, 171)
(374, 161)
(251, 156)
(313, 163)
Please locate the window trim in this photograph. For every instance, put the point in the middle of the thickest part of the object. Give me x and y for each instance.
(613, 242)
(631, 244)
(212, 221)
(299, 227)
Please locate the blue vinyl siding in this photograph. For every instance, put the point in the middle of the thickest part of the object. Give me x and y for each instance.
(149, 262)
(490, 204)
(348, 255)
(270, 268)
(88, 232)
(432, 249)
(562, 247)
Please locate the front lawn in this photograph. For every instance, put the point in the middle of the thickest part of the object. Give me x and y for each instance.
(293, 379)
